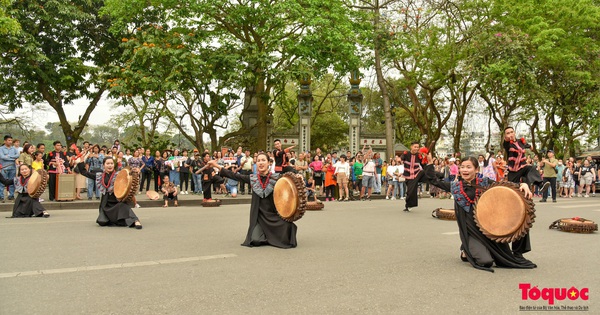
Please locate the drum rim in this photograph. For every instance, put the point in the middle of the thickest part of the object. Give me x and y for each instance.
(300, 190)
(127, 173)
(36, 179)
(42, 183)
(529, 215)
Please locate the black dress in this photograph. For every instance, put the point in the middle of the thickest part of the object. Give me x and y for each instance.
(266, 226)
(24, 206)
(112, 211)
(481, 251)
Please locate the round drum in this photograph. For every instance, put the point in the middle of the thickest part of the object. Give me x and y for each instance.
(444, 214)
(575, 225)
(314, 205)
(289, 195)
(37, 183)
(211, 203)
(153, 195)
(503, 214)
(126, 184)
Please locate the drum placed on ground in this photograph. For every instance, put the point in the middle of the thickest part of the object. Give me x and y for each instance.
(503, 214)
(314, 205)
(37, 183)
(153, 195)
(211, 203)
(575, 225)
(444, 214)
(126, 184)
(289, 195)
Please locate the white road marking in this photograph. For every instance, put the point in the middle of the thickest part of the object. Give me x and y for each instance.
(14, 221)
(578, 206)
(113, 266)
(451, 233)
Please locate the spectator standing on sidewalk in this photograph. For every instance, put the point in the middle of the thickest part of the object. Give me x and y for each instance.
(594, 166)
(368, 175)
(246, 165)
(378, 170)
(8, 155)
(549, 167)
(587, 174)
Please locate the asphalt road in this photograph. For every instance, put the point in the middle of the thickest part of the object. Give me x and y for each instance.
(352, 258)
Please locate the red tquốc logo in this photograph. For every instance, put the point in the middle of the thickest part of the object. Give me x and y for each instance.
(552, 294)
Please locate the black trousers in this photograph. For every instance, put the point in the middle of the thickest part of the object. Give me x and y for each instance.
(243, 184)
(185, 179)
(146, 177)
(412, 188)
(530, 176)
(215, 181)
(552, 181)
(52, 186)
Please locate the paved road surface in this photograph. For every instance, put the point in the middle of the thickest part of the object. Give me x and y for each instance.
(352, 258)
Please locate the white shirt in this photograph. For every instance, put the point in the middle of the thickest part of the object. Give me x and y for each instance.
(369, 168)
(391, 169)
(342, 167)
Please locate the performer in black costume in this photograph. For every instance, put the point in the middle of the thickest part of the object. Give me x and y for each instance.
(281, 160)
(520, 172)
(208, 177)
(112, 211)
(476, 248)
(266, 226)
(24, 206)
(413, 164)
(57, 163)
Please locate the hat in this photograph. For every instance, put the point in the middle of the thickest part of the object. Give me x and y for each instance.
(452, 160)
(195, 150)
(550, 151)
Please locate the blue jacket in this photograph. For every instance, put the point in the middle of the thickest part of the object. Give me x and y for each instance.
(8, 156)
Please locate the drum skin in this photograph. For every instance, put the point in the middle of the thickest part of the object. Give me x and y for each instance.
(575, 225)
(153, 195)
(444, 214)
(289, 195)
(37, 183)
(126, 184)
(503, 214)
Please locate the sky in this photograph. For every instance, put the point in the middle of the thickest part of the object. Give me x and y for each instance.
(41, 114)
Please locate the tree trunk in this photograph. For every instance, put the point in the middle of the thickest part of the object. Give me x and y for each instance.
(389, 128)
(263, 111)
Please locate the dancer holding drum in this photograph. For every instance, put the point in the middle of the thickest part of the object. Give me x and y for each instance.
(114, 207)
(29, 185)
(267, 227)
(478, 249)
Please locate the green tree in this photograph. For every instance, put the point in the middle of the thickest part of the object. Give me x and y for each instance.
(425, 45)
(295, 38)
(564, 36)
(177, 73)
(59, 56)
(8, 25)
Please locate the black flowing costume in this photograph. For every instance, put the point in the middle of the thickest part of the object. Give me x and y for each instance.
(112, 211)
(480, 250)
(24, 206)
(519, 171)
(266, 226)
(413, 174)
